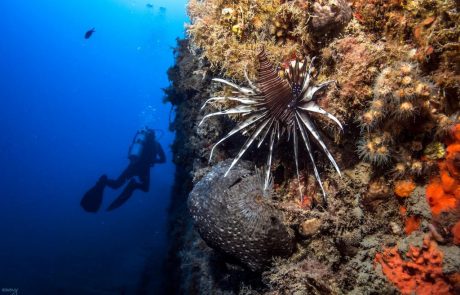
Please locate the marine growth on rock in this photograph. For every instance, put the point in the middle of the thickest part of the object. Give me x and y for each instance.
(329, 15)
(420, 273)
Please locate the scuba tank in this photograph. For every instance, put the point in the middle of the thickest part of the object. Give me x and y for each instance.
(137, 147)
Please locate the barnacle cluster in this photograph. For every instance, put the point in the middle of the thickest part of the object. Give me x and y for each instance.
(230, 20)
(242, 24)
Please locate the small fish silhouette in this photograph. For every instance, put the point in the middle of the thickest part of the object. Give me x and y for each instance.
(89, 33)
(149, 5)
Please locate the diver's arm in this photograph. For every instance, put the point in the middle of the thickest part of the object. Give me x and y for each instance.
(161, 154)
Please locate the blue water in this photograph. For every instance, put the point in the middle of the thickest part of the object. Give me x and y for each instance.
(69, 108)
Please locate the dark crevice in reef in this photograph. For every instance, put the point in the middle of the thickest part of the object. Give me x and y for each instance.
(178, 220)
(179, 217)
(191, 264)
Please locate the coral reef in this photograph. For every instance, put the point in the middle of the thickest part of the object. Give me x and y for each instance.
(330, 15)
(395, 64)
(234, 216)
(401, 100)
(420, 273)
(404, 188)
(412, 224)
(279, 26)
(444, 191)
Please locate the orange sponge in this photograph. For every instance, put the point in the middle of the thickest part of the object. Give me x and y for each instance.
(453, 160)
(443, 192)
(456, 132)
(456, 233)
(419, 273)
(403, 188)
(412, 224)
(438, 199)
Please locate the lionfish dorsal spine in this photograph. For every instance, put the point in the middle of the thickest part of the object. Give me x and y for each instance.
(276, 91)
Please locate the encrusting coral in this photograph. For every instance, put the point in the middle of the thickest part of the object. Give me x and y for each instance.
(330, 15)
(280, 26)
(252, 22)
(403, 188)
(395, 67)
(418, 272)
(401, 97)
(456, 233)
(443, 192)
(412, 224)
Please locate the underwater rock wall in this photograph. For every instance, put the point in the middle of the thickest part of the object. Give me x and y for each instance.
(391, 221)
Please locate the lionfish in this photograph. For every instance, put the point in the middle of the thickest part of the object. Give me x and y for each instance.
(273, 106)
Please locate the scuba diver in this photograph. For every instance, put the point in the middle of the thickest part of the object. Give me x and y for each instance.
(144, 152)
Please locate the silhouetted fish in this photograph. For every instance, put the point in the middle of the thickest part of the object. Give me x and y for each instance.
(149, 5)
(89, 33)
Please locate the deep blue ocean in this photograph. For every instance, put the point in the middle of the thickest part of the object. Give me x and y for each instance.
(69, 108)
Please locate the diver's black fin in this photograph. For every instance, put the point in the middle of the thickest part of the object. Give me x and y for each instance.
(124, 196)
(92, 200)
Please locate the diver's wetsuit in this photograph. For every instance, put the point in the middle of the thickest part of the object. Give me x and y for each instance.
(152, 153)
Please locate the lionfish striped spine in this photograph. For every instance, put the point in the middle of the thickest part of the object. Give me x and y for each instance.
(274, 106)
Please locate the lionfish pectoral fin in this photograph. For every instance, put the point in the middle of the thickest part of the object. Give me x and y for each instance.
(310, 66)
(243, 125)
(249, 81)
(306, 81)
(236, 110)
(262, 138)
(312, 159)
(243, 100)
(311, 91)
(247, 144)
(296, 160)
(312, 129)
(243, 90)
(313, 107)
(269, 159)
